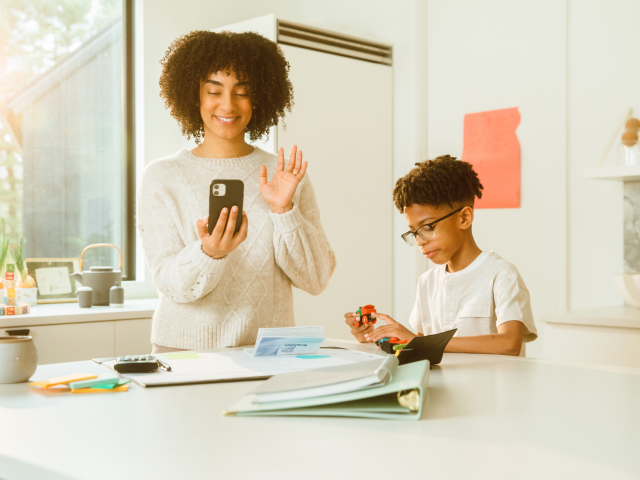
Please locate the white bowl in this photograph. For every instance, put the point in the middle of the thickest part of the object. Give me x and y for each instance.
(628, 284)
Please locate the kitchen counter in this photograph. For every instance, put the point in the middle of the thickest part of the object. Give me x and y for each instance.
(603, 335)
(59, 313)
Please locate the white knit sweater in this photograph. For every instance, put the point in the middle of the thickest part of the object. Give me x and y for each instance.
(206, 303)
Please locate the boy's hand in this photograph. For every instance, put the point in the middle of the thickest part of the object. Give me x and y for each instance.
(391, 329)
(352, 319)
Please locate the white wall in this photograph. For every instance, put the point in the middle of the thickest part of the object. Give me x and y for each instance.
(569, 66)
(498, 54)
(164, 20)
(604, 79)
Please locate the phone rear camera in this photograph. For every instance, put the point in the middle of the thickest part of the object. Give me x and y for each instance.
(216, 193)
(216, 186)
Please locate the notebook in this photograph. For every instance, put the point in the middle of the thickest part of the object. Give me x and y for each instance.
(401, 398)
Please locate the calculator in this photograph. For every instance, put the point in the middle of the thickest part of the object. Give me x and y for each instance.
(136, 364)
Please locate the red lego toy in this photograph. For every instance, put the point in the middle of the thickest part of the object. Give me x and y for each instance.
(365, 315)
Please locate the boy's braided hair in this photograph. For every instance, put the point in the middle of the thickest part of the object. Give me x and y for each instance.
(444, 180)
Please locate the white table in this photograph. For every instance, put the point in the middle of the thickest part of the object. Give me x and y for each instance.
(485, 417)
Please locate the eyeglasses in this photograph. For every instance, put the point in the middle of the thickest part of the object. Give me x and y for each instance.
(425, 232)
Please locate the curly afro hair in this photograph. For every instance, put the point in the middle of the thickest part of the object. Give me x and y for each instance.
(254, 59)
(434, 182)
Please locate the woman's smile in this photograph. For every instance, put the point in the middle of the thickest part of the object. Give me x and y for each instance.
(226, 120)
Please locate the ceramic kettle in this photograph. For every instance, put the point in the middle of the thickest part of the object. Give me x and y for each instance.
(100, 279)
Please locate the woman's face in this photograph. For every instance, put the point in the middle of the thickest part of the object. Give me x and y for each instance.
(225, 105)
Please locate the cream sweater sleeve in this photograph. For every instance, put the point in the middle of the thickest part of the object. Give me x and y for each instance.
(180, 270)
(302, 250)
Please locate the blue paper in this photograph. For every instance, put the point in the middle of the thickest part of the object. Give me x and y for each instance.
(286, 346)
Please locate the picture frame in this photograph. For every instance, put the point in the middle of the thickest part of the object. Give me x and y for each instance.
(53, 278)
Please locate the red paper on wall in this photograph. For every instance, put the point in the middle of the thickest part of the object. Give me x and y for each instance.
(492, 147)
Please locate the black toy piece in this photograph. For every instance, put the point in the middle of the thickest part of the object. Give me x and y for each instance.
(430, 347)
(386, 344)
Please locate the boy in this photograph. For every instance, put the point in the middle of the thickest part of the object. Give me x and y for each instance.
(476, 292)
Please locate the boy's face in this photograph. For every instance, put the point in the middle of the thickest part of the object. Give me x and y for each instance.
(449, 234)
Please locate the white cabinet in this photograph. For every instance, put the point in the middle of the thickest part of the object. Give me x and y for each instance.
(73, 342)
(351, 171)
(66, 333)
(605, 335)
(343, 122)
(83, 341)
(133, 337)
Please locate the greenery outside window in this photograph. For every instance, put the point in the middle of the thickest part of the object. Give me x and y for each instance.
(67, 176)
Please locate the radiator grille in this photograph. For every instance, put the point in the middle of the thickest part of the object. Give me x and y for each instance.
(330, 42)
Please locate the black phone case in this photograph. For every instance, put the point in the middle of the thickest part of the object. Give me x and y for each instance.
(234, 196)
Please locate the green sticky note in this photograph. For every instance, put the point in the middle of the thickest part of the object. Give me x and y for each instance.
(181, 356)
(111, 386)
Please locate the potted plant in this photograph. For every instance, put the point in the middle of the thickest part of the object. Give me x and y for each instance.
(26, 291)
(4, 251)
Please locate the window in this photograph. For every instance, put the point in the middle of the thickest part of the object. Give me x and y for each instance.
(67, 175)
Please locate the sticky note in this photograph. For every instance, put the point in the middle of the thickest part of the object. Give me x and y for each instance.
(76, 377)
(121, 388)
(492, 147)
(102, 379)
(181, 356)
(111, 386)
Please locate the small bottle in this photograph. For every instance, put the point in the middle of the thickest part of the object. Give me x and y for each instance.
(629, 150)
(116, 295)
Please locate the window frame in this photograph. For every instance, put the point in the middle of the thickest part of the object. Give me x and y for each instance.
(129, 141)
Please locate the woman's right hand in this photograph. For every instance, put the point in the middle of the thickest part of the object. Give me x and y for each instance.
(222, 240)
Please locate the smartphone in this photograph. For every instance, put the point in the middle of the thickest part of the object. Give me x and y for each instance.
(225, 193)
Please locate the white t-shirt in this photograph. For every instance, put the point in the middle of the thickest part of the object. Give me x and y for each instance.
(475, 300)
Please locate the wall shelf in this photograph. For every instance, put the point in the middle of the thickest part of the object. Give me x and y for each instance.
(620, 174)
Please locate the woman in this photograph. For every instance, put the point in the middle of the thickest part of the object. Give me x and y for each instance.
(217, 290)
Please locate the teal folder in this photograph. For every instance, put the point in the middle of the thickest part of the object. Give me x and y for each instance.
(400, 399)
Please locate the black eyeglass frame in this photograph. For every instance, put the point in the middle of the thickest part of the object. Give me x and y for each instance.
(415, 233)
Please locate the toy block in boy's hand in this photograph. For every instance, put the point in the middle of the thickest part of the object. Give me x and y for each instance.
(364, 313)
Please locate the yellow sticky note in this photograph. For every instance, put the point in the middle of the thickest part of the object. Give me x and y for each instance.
(76, 377)
(121, 388)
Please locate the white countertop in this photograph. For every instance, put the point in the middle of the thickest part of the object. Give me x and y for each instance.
(622, 316)
(57, 313)
(486, 416)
